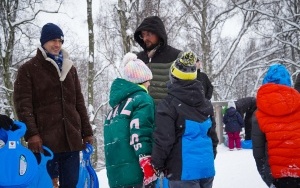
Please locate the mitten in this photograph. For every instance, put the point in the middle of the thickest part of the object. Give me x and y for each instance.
(149, 174)
(35, 144)
(5, 122)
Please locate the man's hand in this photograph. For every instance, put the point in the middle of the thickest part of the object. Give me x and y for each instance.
(35, 144)
(5, 122)
(149, 174)
(88, 139)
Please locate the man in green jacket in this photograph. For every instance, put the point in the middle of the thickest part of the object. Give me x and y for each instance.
(157, 54)
(128, 128)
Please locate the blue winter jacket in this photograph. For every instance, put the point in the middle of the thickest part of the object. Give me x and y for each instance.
(185, 138)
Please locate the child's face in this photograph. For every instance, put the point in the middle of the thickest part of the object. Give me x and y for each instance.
(147, 84)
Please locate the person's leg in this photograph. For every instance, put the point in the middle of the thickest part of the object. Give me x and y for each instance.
(52, 168)
(68, 169)
(248, 126)
(206, 182)
(287, 182)
(237, 139)
(230, 140)
(181, 184)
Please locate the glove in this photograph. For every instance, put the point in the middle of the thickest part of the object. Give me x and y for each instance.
(5, 122)
(88, 139)
(35, 144)
(149, 174)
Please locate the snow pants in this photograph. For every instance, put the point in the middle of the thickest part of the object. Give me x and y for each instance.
(234, 139)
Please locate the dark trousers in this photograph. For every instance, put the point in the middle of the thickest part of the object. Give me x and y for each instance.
(202, 183)
(66, 167)
(288, 182)
(248, 125)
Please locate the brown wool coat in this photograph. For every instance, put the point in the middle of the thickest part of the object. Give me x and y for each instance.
(51, 104)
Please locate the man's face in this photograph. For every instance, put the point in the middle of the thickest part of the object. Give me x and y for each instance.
(150, 39)
(53, 46)
(198, 64)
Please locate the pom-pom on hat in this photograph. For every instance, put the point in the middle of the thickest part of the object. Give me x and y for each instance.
(49, 32)
(184, 67)
(278, 74)
(135, 70)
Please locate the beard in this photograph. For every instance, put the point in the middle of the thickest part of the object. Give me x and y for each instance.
(150, 46)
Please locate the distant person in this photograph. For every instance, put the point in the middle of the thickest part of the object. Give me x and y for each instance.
(246, 107)
(203, 78)
(128, 128)
(297, 83)
(233, 125)
(276, 130)
(157, 54)
(185, 138)
(48, 99)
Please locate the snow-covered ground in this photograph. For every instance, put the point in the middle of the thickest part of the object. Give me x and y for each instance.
(234, 169)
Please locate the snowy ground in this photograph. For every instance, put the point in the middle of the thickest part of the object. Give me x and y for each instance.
(234, 169)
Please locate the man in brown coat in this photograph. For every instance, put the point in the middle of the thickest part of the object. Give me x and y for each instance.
(48, 99)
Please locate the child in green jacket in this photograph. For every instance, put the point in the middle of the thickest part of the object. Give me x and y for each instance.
(129, 126)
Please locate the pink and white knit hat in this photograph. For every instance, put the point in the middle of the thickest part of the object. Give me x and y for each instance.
(135, 70)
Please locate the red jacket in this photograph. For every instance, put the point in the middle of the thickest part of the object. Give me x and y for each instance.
(278, 117)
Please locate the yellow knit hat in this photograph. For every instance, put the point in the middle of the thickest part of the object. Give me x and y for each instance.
(184, 67)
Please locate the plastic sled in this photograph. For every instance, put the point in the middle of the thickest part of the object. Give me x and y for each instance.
(43, 179)
(87, 175)
(162, 182)
(18, 164)
(246, 144)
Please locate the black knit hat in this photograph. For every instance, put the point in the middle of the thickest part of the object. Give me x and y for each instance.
(49, 32)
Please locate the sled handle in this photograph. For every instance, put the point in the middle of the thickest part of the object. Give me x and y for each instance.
(50, 157)
(88, 151)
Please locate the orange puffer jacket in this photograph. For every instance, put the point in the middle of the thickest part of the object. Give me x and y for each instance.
(278, 117)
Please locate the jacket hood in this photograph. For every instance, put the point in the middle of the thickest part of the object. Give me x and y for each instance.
(190, 92)
(121, 89)
(277, 100)
(231, 111)
(155, 25)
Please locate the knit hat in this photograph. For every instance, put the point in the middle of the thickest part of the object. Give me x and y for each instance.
(231, 104)
(184, 67)
(135, 70)
(49, 32)
(278, 74)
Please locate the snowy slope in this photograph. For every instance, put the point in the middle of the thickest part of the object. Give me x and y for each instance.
(234, 169)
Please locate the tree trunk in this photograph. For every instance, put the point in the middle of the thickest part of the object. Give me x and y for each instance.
(91, 71)
(124, 26)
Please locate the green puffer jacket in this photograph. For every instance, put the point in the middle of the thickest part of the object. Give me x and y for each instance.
(127, 133)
